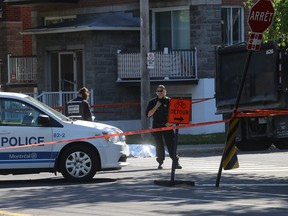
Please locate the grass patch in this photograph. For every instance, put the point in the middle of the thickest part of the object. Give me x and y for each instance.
(183, 139)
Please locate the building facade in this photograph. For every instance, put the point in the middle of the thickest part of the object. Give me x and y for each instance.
(12, 21)
(79, 44)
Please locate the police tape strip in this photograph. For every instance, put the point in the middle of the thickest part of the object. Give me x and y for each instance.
(119, 134)
(261, 113)
(267, 112)
(105, 105)
(194, 101)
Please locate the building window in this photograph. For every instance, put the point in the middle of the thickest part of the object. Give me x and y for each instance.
(232, 25)
(171, 29)
(54, 20)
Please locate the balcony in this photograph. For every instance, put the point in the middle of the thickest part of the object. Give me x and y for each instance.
(37, 2)
(22, 69)
(176, 65)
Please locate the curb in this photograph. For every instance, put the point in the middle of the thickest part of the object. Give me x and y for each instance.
(147, 150)
(186, 150)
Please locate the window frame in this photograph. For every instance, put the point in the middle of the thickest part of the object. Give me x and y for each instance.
(60, 18)
(4, 122)
(164, 9)
(230, 35)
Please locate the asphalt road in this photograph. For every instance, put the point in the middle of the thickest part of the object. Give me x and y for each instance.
(258, 187)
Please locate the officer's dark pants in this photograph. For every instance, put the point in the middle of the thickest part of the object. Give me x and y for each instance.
(161, 137)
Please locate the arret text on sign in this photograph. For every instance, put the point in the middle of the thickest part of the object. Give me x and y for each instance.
(261, 16)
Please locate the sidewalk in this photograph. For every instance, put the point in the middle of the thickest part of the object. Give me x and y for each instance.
(147, 150)
(185, 150)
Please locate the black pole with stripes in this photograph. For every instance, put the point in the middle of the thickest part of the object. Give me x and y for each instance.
(233, 124)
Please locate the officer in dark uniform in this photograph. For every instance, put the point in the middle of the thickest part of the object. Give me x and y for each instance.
(158, 107)
(79, 108)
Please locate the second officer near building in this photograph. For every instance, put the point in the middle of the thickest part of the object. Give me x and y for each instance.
(79, 108)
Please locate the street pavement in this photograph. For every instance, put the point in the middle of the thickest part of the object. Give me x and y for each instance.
(258, 187)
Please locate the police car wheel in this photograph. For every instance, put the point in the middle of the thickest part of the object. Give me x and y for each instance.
(78, 163)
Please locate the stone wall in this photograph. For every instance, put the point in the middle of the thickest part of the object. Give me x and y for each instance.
(100, 67)
(205, 26)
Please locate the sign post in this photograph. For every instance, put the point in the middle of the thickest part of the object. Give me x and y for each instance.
(179, 113)
(259, 19)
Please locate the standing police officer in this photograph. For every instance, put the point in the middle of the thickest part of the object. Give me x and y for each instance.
(158, 107)
(79, 108)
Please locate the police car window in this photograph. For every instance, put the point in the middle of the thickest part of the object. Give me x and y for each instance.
(44, 106)
(17, 113)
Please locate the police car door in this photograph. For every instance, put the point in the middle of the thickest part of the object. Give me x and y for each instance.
(18, 130)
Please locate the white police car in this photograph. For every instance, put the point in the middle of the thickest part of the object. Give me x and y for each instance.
(66, 146)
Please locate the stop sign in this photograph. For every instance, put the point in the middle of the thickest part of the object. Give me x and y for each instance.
(261, 16)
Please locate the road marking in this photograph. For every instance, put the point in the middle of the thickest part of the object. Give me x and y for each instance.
(244, 185)
(12, 214)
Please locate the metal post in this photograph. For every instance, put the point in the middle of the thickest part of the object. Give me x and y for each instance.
(174, 160)
(144, 48)
(235, 110)
(60, 98)
(9, 68)
(1, 64)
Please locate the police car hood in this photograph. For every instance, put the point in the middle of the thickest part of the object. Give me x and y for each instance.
(101, 127)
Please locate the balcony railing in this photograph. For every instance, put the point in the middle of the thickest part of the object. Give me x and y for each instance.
(58, 99)
(37, 2)
(174, 65)
(22, 69)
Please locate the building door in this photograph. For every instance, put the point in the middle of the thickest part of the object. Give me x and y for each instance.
(67, 71)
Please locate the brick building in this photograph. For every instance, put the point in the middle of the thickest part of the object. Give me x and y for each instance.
(79, 44)
(12, 21)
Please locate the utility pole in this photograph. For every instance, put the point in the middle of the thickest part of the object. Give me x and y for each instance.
(144, 48)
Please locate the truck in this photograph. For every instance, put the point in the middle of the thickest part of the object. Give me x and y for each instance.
(265, 88)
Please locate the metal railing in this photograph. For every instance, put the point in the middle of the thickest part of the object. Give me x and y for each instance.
(176, 64)
(22, 69)
(58, 99)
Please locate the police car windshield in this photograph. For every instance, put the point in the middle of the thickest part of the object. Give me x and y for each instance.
(46, 107)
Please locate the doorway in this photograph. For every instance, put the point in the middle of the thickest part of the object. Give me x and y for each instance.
(66, 71)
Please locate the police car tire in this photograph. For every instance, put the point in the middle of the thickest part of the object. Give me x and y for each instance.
(78, 163)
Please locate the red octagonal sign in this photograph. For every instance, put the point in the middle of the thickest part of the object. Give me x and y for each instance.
(261, 16)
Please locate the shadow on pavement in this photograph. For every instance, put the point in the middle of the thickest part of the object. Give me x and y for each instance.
(49, 182)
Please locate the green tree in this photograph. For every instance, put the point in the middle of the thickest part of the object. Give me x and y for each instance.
(278, 31)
